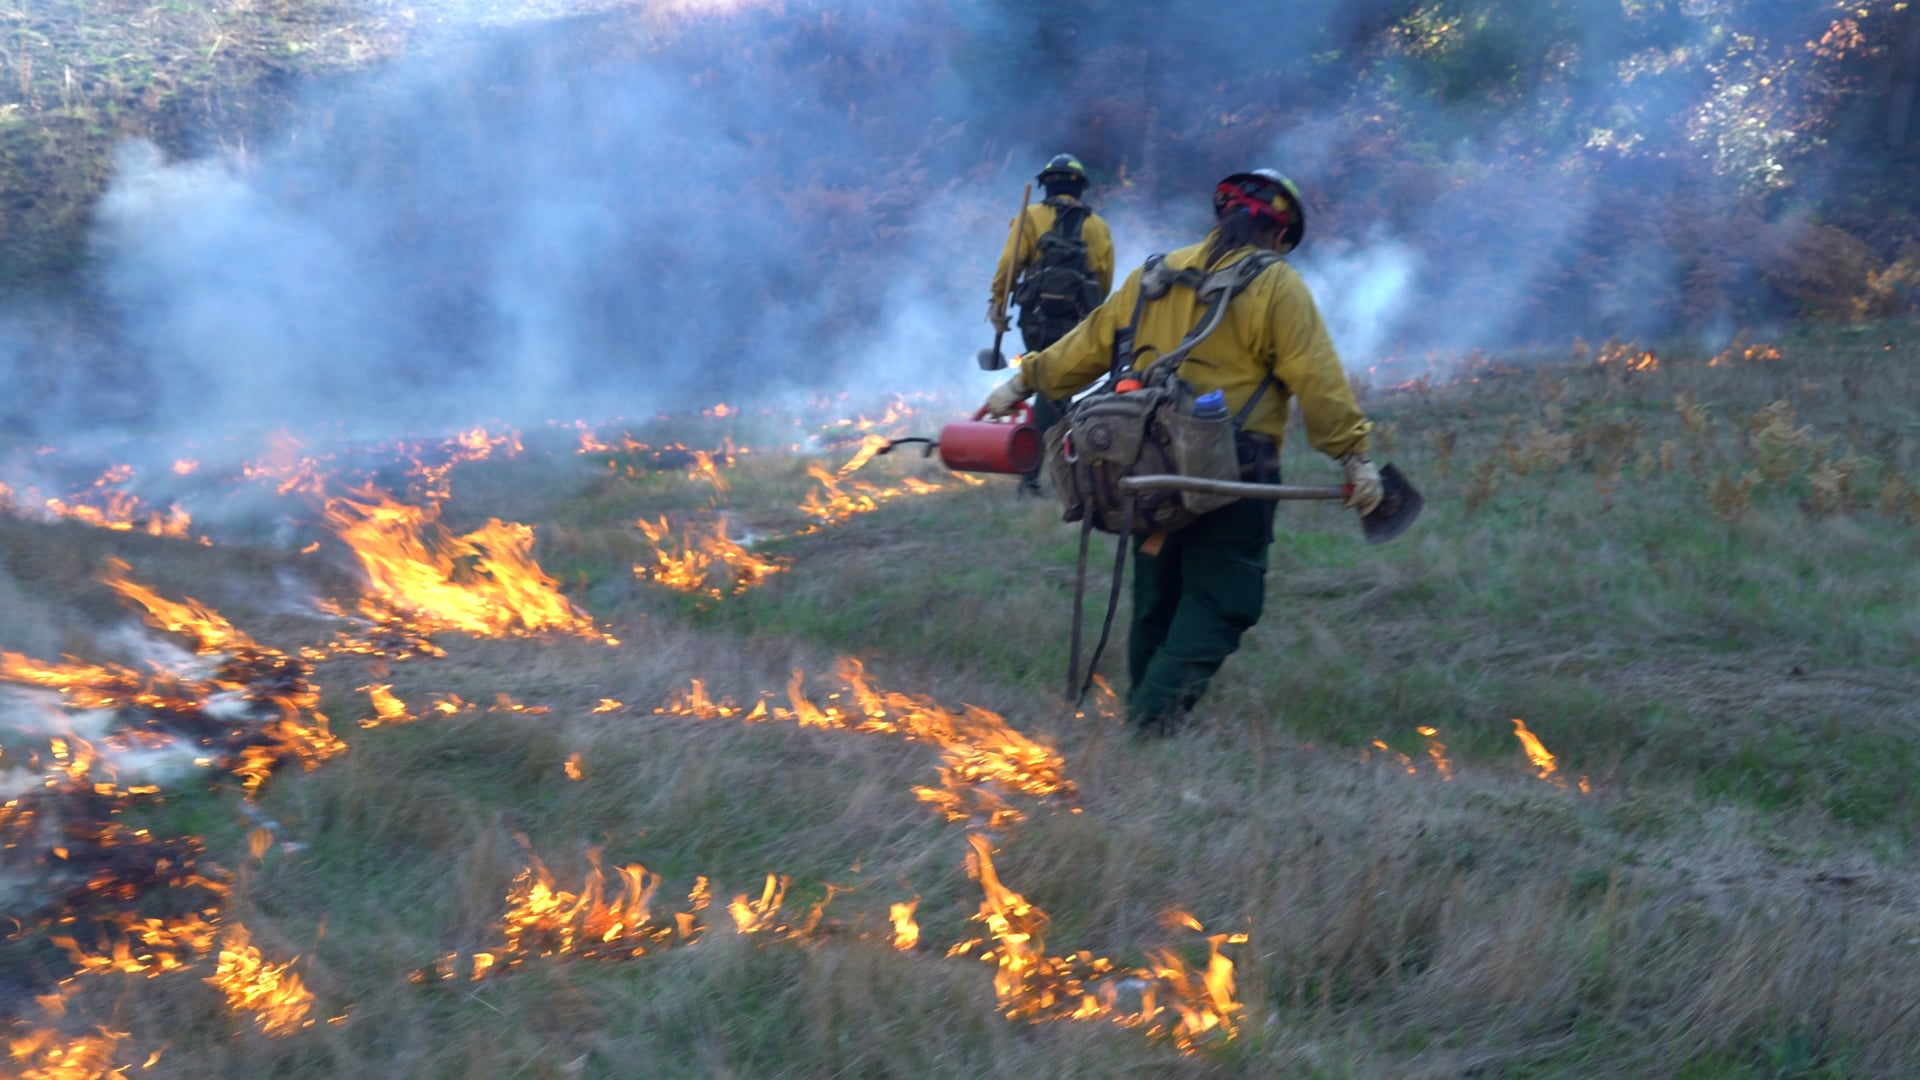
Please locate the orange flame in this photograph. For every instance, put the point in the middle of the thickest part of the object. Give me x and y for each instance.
(1167, 1000)
(1537, 753)
(473, 445)
(981, 756)
(122, 512)
(699, 556)
(387, 709)
(869, 446)
(594, 923)
(839, 498)
(485, 583)
(1741, 352)
(278, 1000)
(1627, 357)
(589, 444)
(906, 932)
(1437, 750)
(210, 631)
(286, 468)
(43, 1055)
(144, 946)
(752, 917)
(704, 468)
(265, 682)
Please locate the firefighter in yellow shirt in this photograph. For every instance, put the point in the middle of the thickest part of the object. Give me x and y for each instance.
(1204, 586)
(1057, 266)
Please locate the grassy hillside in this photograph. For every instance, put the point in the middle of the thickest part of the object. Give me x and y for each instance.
(193, 76)
(1693, 577)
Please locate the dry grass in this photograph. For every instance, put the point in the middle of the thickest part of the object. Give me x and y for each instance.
(1735, 897)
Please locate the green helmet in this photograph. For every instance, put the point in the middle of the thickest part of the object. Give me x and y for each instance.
(1264, 193)
(1063, 168)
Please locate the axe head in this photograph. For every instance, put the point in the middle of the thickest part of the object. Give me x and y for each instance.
(991, 359)
(1399, 506)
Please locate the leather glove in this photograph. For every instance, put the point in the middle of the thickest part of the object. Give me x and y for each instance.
(1364, 490)
(1008, 395)
(997, 318)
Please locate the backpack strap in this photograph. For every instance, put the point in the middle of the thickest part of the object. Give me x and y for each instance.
(1240, 418)
(1216, 288)
(1156, 280)
(1068, 217)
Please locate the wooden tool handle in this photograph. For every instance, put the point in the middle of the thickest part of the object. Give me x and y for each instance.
(1232, 487)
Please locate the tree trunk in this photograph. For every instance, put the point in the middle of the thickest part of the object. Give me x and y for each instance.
(1904, 81)
(1150, 124)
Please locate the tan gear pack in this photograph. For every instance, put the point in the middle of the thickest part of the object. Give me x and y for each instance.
(1149, 431)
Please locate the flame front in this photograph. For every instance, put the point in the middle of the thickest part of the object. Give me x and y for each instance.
(1167, 1000)
(597, 922)
(906, 932)
(210, 631)
(47, 1055)
(275, 996)
(387, 709)
(982, 757)
(485, 583)
(699, 556)
(1537, 753)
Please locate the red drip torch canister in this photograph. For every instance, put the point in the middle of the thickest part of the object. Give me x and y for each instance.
(1011, 446)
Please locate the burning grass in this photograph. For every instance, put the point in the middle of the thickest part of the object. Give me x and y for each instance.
(982, 758)
(1728, 893)
(484, 582)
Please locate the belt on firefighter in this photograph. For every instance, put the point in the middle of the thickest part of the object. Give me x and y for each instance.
(1259, 457)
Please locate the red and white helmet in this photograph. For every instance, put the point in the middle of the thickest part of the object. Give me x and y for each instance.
(1264, 193)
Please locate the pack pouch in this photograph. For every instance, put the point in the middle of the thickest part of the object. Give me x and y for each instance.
(1104, 440)
(1111, 434)
(1201, 447)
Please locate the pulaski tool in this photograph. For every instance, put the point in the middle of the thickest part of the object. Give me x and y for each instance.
(1400, 502)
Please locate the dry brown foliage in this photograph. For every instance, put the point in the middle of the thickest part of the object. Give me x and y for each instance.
(1731, 497)
(1482, 484)
(1695, 417)
(1779, 448)
(1542, 450)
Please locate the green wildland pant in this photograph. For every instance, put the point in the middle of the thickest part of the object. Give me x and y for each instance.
(1191, 603)
(1045, 413)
